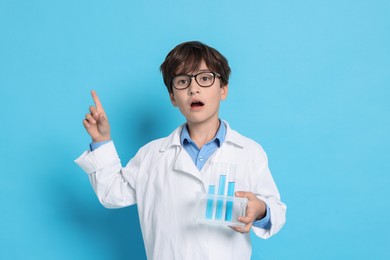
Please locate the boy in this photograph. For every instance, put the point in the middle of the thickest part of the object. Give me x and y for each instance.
(166, 175)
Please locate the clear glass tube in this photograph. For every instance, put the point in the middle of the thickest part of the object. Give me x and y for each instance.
(221, 191)
(230, 192)
(210, 203)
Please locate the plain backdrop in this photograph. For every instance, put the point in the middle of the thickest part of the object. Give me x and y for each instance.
(310, 82)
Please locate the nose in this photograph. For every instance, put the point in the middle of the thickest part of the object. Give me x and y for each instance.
(194, 87)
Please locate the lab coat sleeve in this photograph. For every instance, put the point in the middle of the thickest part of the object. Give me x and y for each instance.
(266, 190)
(107, 176)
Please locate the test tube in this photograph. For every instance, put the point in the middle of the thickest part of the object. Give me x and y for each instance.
(221, 191)
(210, 202)
(230, 192)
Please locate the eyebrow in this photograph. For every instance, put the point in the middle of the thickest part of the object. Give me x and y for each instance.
(197, 72)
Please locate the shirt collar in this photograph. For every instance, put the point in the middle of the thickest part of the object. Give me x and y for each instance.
(230, 136)
(219, 137)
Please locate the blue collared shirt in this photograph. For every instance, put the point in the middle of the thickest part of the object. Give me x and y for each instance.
(200, 156)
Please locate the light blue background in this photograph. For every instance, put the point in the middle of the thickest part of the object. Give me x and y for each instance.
(310, 82)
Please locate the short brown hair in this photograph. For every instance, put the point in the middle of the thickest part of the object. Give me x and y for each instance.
(186, 57)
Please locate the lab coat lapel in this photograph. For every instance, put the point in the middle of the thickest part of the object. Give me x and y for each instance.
(185, 164)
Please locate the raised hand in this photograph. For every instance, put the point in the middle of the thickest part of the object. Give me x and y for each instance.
(96, 122)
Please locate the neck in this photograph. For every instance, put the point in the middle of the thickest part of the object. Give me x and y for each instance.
(203, 133)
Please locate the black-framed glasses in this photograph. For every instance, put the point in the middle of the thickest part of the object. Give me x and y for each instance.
(204, 79)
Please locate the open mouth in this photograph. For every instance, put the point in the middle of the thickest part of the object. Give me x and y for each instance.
(197, 104)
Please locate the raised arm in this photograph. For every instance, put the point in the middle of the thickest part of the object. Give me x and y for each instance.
(96, 122)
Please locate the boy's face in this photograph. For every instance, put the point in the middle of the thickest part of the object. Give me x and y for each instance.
(200, 104)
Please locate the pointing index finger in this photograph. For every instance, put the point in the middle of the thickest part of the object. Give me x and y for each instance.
(97, 102)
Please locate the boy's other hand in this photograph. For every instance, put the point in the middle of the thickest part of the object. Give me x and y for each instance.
(96, 122)
(255, 210)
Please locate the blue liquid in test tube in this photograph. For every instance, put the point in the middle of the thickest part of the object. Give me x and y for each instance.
(221, 190)
(229, 204)
(210, 202)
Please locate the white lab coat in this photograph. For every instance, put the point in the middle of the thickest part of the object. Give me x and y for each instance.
(163, 181)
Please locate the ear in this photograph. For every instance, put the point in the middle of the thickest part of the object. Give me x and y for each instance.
(224, 91)
(173, 101)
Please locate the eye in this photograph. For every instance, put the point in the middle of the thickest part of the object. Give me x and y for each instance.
(205, 77)
(181, 80)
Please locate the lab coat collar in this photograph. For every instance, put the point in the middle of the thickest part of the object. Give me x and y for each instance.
(233, 137)
(174, 138)
(183, 161)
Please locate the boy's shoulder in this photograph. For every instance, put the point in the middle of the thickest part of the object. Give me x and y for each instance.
(241, 140)
(162, 144)
(248, 148)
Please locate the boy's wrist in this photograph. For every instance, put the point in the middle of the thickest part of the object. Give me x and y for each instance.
(263, 211)
(101, 139)
(95, 145)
